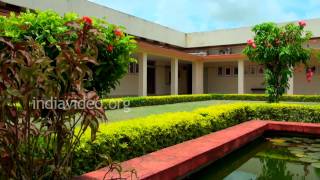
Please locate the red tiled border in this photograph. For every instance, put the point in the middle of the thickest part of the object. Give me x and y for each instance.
(178, 160)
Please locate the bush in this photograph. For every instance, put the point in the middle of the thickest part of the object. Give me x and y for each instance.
(112, 47)
(159, 100)
(128, 139)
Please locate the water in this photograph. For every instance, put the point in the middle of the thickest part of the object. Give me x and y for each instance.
(269, 158)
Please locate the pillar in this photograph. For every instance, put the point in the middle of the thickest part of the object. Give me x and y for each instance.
(197, 77)
(174, 76)
(241, 77)
(143, 58)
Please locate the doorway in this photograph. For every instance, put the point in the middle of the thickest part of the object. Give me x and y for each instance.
(151, 78)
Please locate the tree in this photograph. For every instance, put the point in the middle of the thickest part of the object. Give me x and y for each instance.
(279, 50)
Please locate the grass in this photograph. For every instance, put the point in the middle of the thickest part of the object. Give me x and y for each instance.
(125, 114)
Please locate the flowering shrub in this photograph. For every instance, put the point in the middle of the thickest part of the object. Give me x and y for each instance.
(279, 50)
(43, 56)
(113, 47)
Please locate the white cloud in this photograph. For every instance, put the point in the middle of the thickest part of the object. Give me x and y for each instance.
(206, 15)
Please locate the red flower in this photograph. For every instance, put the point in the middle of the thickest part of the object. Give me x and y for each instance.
(254, 45)
(302, 24)
(87, 20)
(250, 42)
(109, 48)
(118, 32)
(309, 74)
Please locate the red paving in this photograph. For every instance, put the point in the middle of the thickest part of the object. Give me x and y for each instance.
(178, 160)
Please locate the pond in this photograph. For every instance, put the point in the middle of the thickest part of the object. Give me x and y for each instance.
(269, 157)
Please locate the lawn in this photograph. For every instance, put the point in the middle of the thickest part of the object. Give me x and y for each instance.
(121, 114)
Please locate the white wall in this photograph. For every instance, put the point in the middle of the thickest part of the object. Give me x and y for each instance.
(229, 84)
(220, 84)
(128, 86)
(301, 85)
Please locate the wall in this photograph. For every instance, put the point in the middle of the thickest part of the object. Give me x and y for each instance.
(220, 84)
(229, 84)
(235, 36)
(252, 80)
(301, 85)
(128, 86)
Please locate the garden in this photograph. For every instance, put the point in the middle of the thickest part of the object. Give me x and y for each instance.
(70, 58)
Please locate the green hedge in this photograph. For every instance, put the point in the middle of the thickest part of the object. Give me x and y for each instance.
(128, 139)
(159, 100)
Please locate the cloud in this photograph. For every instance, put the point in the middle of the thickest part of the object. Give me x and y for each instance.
(206, 15)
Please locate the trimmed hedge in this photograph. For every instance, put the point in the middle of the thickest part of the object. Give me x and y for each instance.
(159, 100)
(128, 139)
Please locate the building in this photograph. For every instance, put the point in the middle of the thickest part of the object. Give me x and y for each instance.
(173, 62)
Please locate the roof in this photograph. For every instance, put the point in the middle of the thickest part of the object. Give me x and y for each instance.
(149, 30)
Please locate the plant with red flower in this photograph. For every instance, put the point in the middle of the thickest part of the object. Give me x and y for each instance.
(251, 43)
(110, 48)
(302, 24)
(118, 32)
(309, 74)
(87, 20)
(289, 41)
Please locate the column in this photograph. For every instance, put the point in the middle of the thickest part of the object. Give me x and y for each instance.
(143, 58)
(241, 77)
(290, 89)
(197, 78)
(174, 76)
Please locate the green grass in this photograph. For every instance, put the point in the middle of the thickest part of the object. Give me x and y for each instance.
(135, 112)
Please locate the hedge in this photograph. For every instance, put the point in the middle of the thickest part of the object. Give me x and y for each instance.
(159, 100)
(132, 138)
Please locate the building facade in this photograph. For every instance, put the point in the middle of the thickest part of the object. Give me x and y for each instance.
(173, 62)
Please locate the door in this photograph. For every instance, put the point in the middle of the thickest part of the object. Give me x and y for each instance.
(151, 78)
(189, 78)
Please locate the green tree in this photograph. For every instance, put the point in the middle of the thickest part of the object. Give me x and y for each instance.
(279, 50)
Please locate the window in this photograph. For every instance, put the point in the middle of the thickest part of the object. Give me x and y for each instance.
(133, 68)
(220, 71)
(260, 70)
(228, 71)
(252, 70)
(235, 71)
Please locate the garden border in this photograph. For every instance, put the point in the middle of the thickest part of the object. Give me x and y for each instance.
(140, 101)
(181, 159)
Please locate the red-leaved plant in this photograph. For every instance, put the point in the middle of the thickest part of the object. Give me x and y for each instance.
(38, 143)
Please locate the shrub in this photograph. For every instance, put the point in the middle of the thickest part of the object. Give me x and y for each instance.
(160, 100)
(128, 139)
(46, 56)
(111, 47)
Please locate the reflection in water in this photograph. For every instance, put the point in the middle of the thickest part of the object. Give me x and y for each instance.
(274, 169)
(283, 158)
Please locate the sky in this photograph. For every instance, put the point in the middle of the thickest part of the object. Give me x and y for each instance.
(207, 15)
